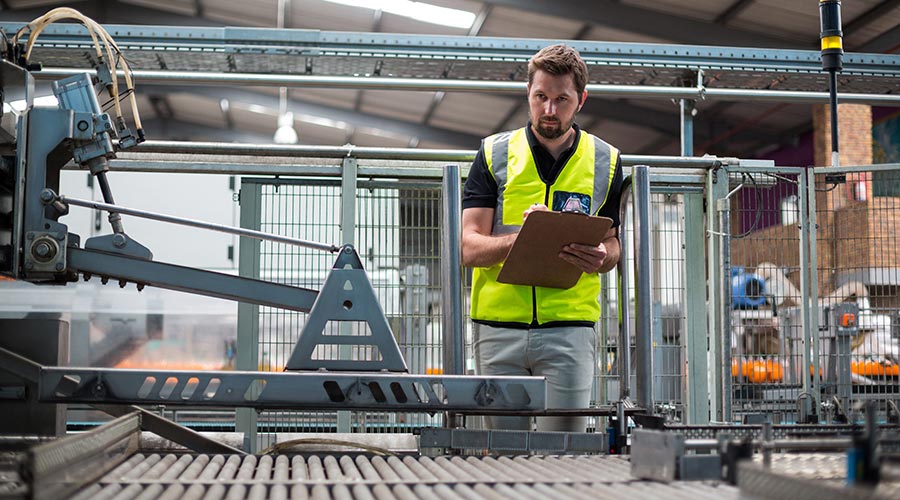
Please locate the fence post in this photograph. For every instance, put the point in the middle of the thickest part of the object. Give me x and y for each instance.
(695, 334)
(250, 197)
(809, 293)
(643, 283)
(348, 237)
(716, 189)
(454, 346)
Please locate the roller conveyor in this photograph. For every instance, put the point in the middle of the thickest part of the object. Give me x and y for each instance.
(345, 476)
(112, 461)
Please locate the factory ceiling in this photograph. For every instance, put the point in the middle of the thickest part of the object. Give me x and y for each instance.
(449, 119)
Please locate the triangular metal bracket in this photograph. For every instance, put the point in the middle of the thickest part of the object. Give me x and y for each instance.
(346, 295)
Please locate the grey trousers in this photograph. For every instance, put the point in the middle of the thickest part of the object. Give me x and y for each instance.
(565, 356)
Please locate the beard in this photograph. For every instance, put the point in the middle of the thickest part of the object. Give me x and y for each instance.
(553, 130)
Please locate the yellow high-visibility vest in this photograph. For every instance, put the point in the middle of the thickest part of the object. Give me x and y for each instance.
(585, 179)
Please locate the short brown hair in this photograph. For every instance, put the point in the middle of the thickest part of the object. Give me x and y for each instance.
(560, 59)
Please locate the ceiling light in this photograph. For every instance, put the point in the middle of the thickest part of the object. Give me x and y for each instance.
(417, 10)
(285, 133)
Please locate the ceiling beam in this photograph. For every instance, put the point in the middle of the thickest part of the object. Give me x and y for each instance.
(885, 43)
(473, 31)
(159, 129)
(112, 12)
(616, 110)
(733, 11)
(583, 31)
(867, 17)
(669, 123)
(650, 22)
(161, 106)
(400, 127)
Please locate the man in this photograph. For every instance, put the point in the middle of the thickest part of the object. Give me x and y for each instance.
(549, 164)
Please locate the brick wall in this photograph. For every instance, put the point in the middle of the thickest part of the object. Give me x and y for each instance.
(851, 234)
(854, 148)
(780, 245)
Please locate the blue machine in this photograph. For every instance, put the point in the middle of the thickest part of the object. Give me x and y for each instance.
(748, 290)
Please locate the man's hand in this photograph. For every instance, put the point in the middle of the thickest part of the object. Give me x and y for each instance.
(585, 257)
(593, 259)
(537, 207)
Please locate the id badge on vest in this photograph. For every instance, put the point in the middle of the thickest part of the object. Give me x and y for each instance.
(564, 201)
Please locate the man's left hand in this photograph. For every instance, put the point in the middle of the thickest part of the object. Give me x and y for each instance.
(588, 258)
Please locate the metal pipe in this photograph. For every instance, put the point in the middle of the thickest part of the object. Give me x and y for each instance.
(148, 77)
(809, 312)
(115, 220)
(451, 275)
(310, 151)
(623, 350)
(797, 96)
(459, 155)
(724, 208)
(778, 444)
(643, 323)
(768, 437)
(453, 340)
(200, 224)
(686, 110)
(833, 102)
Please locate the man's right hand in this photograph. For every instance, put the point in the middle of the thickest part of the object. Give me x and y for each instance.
(537, 207)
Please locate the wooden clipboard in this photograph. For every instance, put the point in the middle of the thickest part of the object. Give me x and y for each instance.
(534, 257)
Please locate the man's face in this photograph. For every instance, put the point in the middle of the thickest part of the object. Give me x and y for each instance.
(552, 103)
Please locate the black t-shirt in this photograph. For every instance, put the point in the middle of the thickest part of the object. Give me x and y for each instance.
(481, 188)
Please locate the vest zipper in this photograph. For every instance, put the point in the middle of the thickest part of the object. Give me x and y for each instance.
(534, 318)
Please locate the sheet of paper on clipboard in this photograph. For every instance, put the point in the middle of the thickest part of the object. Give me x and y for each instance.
(534, 257)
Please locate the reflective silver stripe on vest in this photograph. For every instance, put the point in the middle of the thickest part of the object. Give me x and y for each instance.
(602, 174)
(499, 163)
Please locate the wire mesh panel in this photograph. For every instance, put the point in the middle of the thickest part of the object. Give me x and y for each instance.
(766, 334)
(397, 236)
(852, 352)
(858, 213)
(308, 210)
(667, 259)
(407, 242)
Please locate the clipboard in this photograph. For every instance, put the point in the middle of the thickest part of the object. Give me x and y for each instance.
(534, 257)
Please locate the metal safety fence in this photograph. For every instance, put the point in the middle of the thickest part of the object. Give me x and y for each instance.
(734, 264)
(814, 308)
(397, 229)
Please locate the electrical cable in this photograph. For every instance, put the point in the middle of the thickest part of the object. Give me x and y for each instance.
(758, 215)
(114, 58)
(287, 445)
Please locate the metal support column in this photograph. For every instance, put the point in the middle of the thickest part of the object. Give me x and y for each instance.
(600, 392)
(643, 323)
(454, 343)
(723, 212)
(348, 237)
(250, 197)
(686, 109)
(809, 292)
(623, 343)
(716, 189)
(696, 384)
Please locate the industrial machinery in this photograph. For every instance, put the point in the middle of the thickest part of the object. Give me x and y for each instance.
(36, 246)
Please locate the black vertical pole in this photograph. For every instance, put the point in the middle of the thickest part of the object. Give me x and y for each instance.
(832, 53)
